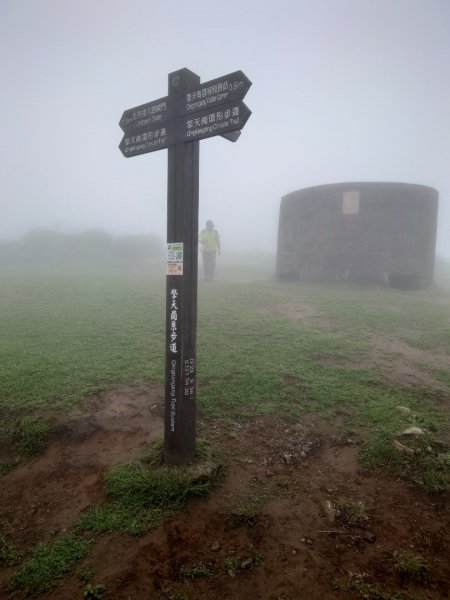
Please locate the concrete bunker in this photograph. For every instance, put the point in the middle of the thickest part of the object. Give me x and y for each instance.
(360, 231)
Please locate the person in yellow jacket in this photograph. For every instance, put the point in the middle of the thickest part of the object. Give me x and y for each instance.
(210, 240)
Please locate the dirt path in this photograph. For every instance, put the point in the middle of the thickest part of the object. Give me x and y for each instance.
(291, 548)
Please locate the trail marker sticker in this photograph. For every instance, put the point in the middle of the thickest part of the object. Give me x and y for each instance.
(175, 259)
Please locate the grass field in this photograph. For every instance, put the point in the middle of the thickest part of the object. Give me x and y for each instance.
(378, 355)
(262, 347)
(64, 336)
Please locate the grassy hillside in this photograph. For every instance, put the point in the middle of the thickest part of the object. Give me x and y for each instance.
(262, 347)
(365, 363)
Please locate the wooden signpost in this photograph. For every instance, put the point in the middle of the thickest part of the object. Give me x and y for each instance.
(189, 113)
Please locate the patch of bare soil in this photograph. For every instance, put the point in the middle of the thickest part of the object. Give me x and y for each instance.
(397, 361)
(289, 545)
(403, 365)
(49, 494)
(297, 312)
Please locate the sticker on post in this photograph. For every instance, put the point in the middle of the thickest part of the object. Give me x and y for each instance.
(174, 258)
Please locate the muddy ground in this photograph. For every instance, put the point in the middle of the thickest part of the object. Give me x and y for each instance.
(294, 548)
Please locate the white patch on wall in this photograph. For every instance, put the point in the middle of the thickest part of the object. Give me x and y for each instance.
(350, 203)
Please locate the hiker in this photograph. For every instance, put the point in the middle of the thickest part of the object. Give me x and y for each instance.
(210, 240)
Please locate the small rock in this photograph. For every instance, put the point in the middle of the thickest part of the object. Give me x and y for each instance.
(413, 431)
(401, 448)
(287, 458)
(329, 490)
(215, 546)
(370, 537)
(231, 573)
(330, 512)
(269, 474)
(309, 542)
(303, 454)
(429, 449)
(303, 540)
(247, 563)
(403, 409)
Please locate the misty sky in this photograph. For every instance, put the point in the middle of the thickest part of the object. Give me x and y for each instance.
(343, 90)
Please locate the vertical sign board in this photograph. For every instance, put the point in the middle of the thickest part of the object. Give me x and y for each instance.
(181, 290)
(191, 112)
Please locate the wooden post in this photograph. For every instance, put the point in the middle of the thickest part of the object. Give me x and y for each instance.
(181, 290)
(178, 122)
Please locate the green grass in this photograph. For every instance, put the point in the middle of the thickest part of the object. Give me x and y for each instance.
(248, 511)
(64, 336)
(408, 315)
(114, 516)
(9, 555)
(352, 514)
(49, 564)
(30, 436)
(139, 497)
(374, 591)
(410, 566)
(194, 571)
(424, 467)
(94, 592)
(7, 465)
(237, 564)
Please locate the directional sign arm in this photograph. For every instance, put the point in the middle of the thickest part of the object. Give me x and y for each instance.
(144, 140)
(237, 84)
(203, 97)
(225, 89)
(232, 136)
(144, 115)
(221, 120)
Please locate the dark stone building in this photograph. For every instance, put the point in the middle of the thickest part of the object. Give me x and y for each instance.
(380, 232)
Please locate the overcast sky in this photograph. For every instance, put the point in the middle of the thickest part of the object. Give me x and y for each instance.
(343, 90)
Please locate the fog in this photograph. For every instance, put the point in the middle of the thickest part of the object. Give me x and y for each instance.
(343, 90)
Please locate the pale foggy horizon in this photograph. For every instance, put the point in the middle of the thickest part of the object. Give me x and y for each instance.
(347, 91)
